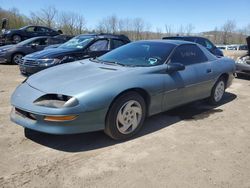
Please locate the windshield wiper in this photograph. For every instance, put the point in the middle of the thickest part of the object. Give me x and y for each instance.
(96, 60)
(113, 63)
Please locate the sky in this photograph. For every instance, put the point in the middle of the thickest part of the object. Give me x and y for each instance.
(204, 15)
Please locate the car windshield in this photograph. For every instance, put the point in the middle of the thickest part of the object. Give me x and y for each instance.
(77, 42)
(143, 54)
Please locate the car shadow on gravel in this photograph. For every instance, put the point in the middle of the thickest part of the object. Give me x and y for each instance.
(95, 140)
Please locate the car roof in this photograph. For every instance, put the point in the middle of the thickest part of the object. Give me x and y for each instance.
(183, 37)
(175, 42)
(106, 35)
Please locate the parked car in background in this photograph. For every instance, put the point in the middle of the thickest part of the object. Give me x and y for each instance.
(17, 35)
(15, 52)
(243, 62)
(200, 40)
(237, 47)
(58, 40)
(117, 91)
(79, 47)
(221, 46)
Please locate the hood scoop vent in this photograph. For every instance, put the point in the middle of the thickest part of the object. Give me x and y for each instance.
(106, 68)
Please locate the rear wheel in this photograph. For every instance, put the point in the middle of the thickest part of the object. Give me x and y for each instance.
(218, 91)
(126, 116)
(16, 59)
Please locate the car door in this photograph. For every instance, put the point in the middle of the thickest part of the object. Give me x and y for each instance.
(98, 48)
(32, 31)
(181, 86)
(204, 73)
(37, 45)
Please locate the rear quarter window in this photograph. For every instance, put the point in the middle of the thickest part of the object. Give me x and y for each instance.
(188, 54)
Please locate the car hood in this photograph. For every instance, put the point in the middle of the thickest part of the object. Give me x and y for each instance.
(50, 53)
(76, 77)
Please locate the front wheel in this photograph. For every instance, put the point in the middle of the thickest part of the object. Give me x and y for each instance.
(126, 116)
(17, 58)
(218, 91)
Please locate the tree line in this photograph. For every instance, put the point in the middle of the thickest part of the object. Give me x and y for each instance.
(73, 23)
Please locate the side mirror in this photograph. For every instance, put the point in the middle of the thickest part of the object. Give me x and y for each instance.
(174, 67)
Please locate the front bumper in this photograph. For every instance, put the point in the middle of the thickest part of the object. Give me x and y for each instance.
(242, 68)
(85, 122)
(28, 70)
(29, 115)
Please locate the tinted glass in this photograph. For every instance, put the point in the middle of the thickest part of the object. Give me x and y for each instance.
(187, 55)
(55, 41)
(78, 42)
(42, 29)
(100, 45)
(41, 41)
(30, 29)
(117, 43)
(139, 54)
(201, 42)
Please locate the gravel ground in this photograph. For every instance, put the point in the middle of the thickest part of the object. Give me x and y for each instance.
(191, 146)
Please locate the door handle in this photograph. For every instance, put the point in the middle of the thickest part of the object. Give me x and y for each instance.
(209, 70)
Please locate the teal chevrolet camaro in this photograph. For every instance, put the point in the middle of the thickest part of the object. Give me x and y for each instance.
(117, 91)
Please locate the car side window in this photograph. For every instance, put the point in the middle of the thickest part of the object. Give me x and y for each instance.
(55, 41)
(188, 55)
(40, 42)
(209, 45)
(42, 29)
(100, 45)
(117, 43)
(30, 29)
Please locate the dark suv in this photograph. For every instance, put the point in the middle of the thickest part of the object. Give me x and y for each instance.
(200, 40)
(18, 35)
(79, 47)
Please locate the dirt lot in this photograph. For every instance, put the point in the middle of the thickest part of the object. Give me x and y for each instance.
(192, 146)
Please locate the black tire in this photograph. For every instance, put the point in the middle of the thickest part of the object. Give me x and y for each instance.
(212, 99)
(16, 39)
(111, 124)
(14, 58)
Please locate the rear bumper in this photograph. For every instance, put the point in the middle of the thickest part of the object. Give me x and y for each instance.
(242, 68)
